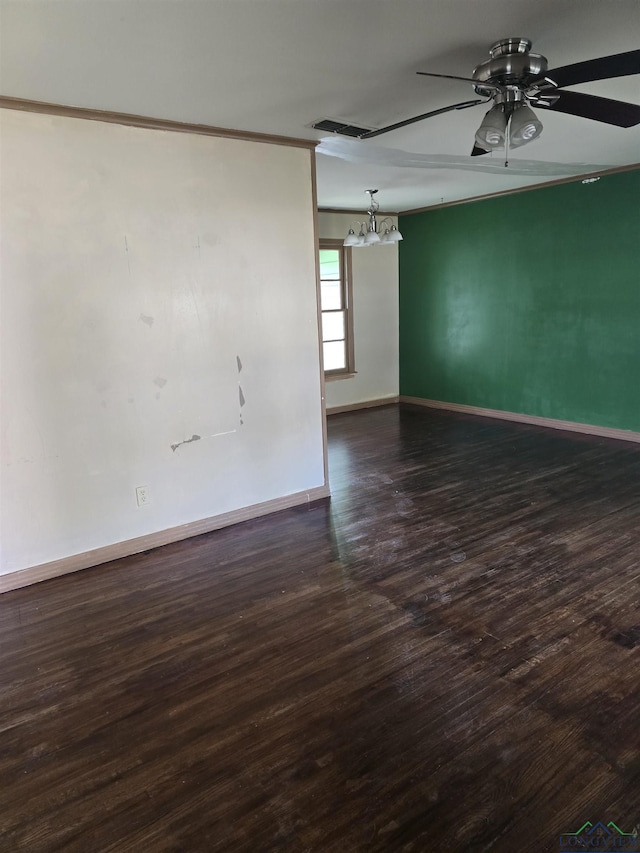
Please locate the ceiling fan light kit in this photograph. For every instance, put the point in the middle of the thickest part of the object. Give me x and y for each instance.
(493, 130)
(524, 126)
(519, 121)
(371, 232)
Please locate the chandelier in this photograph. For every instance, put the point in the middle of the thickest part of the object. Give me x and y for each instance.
(371, 232)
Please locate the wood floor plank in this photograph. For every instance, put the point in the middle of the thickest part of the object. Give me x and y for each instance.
(444, 657)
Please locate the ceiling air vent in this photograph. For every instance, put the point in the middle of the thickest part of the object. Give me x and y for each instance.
(340, 127)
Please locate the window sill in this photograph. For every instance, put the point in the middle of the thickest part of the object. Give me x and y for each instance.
(331, 377)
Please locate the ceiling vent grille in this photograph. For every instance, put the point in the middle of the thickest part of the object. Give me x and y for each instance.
(341, 127)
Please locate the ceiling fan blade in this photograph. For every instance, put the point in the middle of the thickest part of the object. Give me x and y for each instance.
(466, 79)
(604, 68)
(415, 119)
(477, 151)
(605, 110)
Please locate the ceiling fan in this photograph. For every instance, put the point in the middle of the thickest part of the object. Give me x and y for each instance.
(513, 78)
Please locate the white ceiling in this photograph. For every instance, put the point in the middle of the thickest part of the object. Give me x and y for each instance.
(275, 66)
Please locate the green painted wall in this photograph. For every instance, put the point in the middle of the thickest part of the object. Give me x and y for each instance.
(527, 303)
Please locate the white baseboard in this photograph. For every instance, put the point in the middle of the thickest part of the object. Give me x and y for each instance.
(76, 562)
(366, 404)
(553, 423)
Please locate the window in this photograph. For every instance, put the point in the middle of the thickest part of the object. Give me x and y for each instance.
(335, 305)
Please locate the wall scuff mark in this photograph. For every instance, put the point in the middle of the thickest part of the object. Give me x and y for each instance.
(242, 401)
(194, 437)
(144, 318)
(240, 391)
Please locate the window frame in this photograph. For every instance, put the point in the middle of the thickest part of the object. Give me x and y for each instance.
(346, 291)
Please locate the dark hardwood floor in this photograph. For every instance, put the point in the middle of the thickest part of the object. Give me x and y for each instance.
(445, 657)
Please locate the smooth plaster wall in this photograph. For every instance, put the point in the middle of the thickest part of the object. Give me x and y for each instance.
(375, 313)
(154, 332)
(528, 303)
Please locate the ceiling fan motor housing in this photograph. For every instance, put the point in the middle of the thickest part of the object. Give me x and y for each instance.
(511, 63)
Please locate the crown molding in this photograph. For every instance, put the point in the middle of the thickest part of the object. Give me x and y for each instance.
(570, 180)
(356, 211)
(149, 123)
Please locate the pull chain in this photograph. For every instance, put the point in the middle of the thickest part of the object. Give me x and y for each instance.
(506, 144)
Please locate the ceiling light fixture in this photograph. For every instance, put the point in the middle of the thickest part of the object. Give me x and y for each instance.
(514, 117)
(492, 131)
(524, 126)
(373, 233)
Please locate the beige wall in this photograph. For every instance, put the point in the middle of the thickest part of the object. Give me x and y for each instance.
(375, 307)
(154, 332)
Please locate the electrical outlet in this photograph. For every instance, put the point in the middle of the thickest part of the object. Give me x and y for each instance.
(142, 495)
